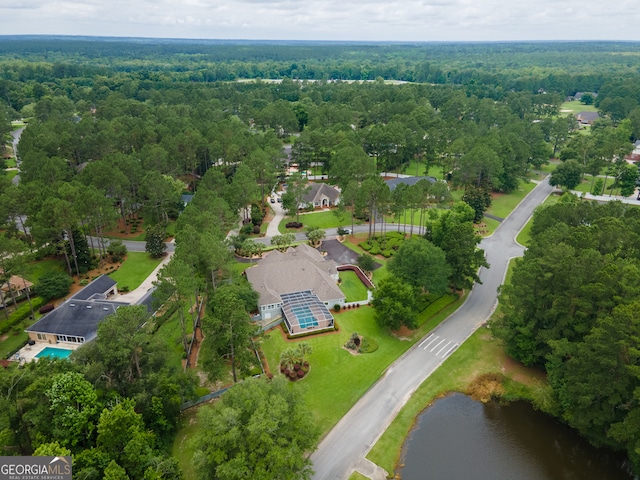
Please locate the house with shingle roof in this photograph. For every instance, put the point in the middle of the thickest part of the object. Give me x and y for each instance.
(321, 195)
(14, 287)
(587, 118)
(76, 320)
(393, 183)
(298, 269)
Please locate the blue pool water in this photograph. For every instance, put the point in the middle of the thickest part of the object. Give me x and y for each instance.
(305, 317)
(54, 352)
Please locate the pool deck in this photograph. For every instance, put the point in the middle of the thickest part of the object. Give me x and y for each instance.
(28, 352)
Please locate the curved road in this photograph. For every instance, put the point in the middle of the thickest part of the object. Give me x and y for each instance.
(343, 449)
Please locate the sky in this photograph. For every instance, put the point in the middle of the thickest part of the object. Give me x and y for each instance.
(357, 20)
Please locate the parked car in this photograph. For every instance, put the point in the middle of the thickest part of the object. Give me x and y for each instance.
(272, 200)
(279, 199)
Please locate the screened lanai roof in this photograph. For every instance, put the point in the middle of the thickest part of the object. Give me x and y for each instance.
(304, 312)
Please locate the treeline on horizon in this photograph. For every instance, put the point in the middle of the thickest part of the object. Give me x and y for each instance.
(560, 67)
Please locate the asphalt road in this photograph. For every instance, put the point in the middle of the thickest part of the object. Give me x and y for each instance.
(355, 434)
(136, 246)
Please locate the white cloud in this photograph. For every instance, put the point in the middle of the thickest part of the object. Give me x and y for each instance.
(411, 20)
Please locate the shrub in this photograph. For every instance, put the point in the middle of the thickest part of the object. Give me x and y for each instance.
(301, 373)
(387, 253)
(366, 262)
(294, 225)
(365, 246)
(53, 284)
(256, 229)
(20, 314)
(247, 229)
(375, 250)
(116, 249)
(355, 338)
(597, 187)
(46, 308)
(124, 288)
(337, 307)
(84, 282)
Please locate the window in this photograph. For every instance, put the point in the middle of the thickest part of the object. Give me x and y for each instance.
(41, 336)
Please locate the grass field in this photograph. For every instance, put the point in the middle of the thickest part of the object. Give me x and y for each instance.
(503, 205)
(36, 269)
(323, 219)
(337, 378)
(136, 267)
(353, 289)
(575, 106)
(587, 183)
(182, 447)
(170, 333)
(15, 339)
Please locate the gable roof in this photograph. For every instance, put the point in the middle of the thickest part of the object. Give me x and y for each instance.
(587, 116)
(392, 183)
(16, 283)
(317, 190)
(300, 268)
(96, 290)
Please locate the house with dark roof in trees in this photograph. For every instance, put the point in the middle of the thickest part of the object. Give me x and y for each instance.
(393, 183)
(77, 319)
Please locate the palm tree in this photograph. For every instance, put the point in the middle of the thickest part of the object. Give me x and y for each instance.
(288, 358)
(303, 349)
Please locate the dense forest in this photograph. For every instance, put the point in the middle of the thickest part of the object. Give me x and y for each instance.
(118, 129)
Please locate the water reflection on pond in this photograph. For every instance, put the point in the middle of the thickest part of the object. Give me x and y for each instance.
(459, 438)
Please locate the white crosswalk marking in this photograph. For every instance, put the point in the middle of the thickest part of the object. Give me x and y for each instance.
(434, 342)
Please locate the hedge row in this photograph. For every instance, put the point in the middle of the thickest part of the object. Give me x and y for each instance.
(20, 314)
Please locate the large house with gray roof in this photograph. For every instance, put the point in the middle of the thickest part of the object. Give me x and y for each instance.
(299, 274)
(321, 195)
(76, 320)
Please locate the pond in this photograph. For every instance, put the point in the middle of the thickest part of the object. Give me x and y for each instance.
(459, 438)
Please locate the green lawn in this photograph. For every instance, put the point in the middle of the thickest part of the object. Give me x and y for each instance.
(502, 205)
(353, 289)
(15, 339)
(491, 226)
(337, 378)
(11, 174)
(357, 476)
(321, 219)
(136, 267)
(524, 236)
(587, 182)
(170, 333)
(182, 446)
(10, 162)
(576, 107)
(36, 269)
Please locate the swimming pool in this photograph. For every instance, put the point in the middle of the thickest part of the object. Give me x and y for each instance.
(304, 316)
(53, 352)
